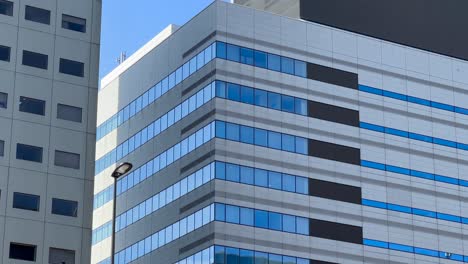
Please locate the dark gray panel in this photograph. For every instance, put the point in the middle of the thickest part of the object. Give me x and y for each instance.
(333, 76)
(333, 113)
(335, 191)
(433, 25)
(336, 231)
(326, 150)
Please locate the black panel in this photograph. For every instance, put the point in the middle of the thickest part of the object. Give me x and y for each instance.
(321, 262)
(34, 59)
(22, 252)
(335, 191)
(333, 76)
(335, 152)
(333, 113)
(335, 231)
(433, 25)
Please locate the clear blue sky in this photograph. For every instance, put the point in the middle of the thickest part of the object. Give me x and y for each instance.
(128, 25)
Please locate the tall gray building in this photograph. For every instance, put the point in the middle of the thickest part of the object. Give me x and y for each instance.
(49, 56)
(314, 132)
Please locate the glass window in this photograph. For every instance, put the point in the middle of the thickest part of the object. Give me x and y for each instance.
(70, 113)
(178, 75)
(64, 207)
(261, 178)
(29, 153)
(221, 50)
(274, 180)
(261, 219)
(247, 134)
(219, 257)
(289, 183)
(73, 23)
(165, 84)
(38, 15)
(232, 131)
(6, 7)
(260, 59)
(220, 170)
(233, 52)
(287, 103)
(22, 252)
(246, 175)
(289, 223)
(58, 255)
(275, 259)
(261, 137)
(287, 65)
(2, 148)
(300, 106)
(232, 255)
(274, 101)
(67, 159)
(246, 256)
(3, 100)
(220, 89)
(4, 50)
(288, 142)
(247, 95)
(71, 67)
(26, 201)
(274, 62)
(302, 185)
(207, 53)
(301, 145)
(232, 172)
(233, 92)
(275, 221)
(232, 214)
(261, 98)
(274, 140)
(300, 68)
(200, 60)
(34, 59)
(220, 212)
(261, 258)
(246, 56)
(246, 216)
(302, 225)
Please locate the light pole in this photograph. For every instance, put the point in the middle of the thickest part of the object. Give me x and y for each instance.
(121, 170)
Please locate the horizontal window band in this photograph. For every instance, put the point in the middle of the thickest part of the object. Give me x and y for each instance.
(412, 99)
(413, 173)
(414, 136)
(414, 211)
(415, 250)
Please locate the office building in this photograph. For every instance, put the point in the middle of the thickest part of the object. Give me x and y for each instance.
(319, 133)
(49, 56)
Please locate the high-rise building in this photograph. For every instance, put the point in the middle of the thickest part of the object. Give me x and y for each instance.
(49, 56)
(320, 131)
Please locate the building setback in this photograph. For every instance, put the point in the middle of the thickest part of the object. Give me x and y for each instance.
(260, 137)
(49, 58)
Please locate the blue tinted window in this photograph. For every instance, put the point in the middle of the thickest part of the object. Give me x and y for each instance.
(274, 140)
(261, 219)
(219, 255)
(274, 62)
(193, 68)
(232, 255)
(289, 183)
(220, 129)
(246, 256)
(288, 142)
(232, 172)
(247, 95)
(274, 101)
(287, 104)
(261, 98)
(261, 137)
(232, 132)
(275, 259)
(289, 223)
(246, 175)
(287, 65)
(274, 180)
(247, 216)
(232, 214)
(261, 178)
(261, 258)
(186, 70)
(221, 50)
(246, 56)
(302, 225)
(220, 89)
(233, 92)
(275, 221)
(300, 68)
(300, 106)
(233, 52)
(220, 212)
(247, 134)
(302, 145)
(260, 59)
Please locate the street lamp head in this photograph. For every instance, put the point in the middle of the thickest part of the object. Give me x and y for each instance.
(122, 169)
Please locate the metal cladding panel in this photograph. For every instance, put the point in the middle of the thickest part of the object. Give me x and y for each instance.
(434, 25)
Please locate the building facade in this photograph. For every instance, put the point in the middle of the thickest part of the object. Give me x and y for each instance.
(258, 137)
(49, 59)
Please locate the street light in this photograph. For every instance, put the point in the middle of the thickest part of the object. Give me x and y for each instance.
(121, 170)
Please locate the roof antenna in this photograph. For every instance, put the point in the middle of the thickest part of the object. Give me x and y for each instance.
(122, 57)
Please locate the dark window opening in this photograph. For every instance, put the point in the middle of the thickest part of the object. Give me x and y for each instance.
(6, 8)
(3, 100)
(333, 113)
(5, 53)
(333, 76)
(32, 106)
(23, 252)
(38, 15)
(71, 67)
(64, 207)
(326, 150)
(67, 159)
(29, 153)
(26, 201)
(34, 59)
(70, 113)
(73, 23)
(335, 191)
(336, 231)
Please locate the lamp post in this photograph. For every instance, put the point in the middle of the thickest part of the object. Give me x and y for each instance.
(121, 170)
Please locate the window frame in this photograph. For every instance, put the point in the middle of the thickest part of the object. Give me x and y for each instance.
(28, 8)
(66, 70)
(41, 111)
(70, 202)
(35, 56)
(37, 206)
(21, 157)
(64, 22)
